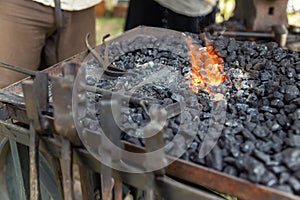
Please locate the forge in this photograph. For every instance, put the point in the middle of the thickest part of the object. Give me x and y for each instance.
(216, 112)
(259, 85)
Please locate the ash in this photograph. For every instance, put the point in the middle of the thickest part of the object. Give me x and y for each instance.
(260, 136)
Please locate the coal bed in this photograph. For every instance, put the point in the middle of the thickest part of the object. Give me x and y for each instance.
(258, 132)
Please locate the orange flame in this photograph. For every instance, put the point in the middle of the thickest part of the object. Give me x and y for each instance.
(206, 67)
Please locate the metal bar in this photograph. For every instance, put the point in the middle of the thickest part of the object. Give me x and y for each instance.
(10, 98)
(107, 183)
(14, 132)
(87, 185)
(150, 187)
(111, 133)
(32, 103)
(107, 67)
(118, 190)
(247, 34)
(154, 143)
(18, 69)
(41, 91)
(23, 70)
(171, 189)
(62, 107)
(34, 165)
(18, 170)
(67, 170)
(224, 183)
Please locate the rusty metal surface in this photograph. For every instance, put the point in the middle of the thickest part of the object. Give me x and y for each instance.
(224, 183)
(155, 142)
(16, 112)
(118, 192)
(34, 165)
(63, 102)
(66, 163)
(218, 181)
(31, 100)
(170, 189)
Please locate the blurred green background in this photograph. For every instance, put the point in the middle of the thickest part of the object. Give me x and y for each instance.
(108, 24)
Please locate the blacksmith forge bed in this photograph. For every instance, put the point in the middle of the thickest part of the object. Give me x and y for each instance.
(158, 114)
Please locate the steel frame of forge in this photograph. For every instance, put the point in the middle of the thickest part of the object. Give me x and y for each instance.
(46, 130)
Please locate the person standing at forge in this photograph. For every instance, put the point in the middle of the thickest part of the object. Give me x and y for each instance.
(36, 34)
(181, 15)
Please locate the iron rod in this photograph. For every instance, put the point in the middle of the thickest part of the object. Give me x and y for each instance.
(18, 69)
(247, 34)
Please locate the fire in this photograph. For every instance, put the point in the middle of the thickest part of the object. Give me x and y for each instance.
(206, 67)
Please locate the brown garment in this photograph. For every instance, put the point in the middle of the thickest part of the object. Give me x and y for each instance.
(29, 37)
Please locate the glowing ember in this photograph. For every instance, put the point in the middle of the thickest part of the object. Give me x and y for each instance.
(206, 67)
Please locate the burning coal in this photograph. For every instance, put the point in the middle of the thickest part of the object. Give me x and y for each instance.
(260, 141)
(206, 67)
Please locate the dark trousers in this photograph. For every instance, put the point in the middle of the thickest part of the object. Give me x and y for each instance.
(151, 13)
(29, 36)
